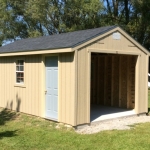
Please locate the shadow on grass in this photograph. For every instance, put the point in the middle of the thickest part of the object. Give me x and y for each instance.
(8, 134)
(7, 115)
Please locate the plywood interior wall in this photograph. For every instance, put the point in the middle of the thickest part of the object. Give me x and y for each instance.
(113, 80)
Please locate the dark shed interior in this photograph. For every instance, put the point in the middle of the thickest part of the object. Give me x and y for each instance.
(113, 80)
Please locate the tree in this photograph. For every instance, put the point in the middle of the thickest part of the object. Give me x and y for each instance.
(132, 15)
(10, 24)
(139, 25)
(33, 18)
(83, 14)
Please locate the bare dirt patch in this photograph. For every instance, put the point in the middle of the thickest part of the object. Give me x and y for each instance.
(125, 123)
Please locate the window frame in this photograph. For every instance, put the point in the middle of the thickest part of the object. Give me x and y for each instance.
(19, 84)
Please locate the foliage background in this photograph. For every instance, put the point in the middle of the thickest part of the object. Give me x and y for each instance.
(32, 18)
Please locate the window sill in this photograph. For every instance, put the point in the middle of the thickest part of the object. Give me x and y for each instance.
(20, 85)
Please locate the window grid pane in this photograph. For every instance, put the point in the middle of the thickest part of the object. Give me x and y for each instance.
(20, 71)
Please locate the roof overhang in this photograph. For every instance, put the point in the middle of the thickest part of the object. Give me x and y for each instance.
(63, 50)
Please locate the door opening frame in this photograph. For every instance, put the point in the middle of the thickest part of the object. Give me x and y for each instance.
(94, 50)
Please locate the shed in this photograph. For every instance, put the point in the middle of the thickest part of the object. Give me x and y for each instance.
(75, 77)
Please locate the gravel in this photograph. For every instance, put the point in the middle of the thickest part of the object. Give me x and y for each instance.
(116, 124)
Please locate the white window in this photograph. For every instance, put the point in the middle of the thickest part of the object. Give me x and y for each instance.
(20, 71)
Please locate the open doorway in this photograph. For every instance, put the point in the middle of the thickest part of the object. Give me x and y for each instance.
(112, 85)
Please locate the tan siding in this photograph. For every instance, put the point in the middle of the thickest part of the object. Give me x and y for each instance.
(24, 99)
(124, 45)
(66, 88)
(143, 81)
(82, 109)
(109, 43)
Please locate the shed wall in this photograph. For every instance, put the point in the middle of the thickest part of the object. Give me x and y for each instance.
(30, 98)
(109, 45)
(82, 104)
(67, 88)
(143, 84)
(24, 99)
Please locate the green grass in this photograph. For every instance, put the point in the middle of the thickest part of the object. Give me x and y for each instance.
(24, 132)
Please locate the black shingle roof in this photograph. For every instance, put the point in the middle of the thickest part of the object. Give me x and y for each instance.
(65, 40)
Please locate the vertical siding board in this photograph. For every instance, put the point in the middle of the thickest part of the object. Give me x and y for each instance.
(82, 84)
(35, 99)
(67, 91)
(5, 85)
(70, 100)
(41, 98)
(37, 85)
(28, 80)
(143, 83)
(66, 86)
(63, 98)
(29, 83)
(40, 87)
(8, 84)
(82, 59)
(26, 83)
(72, 84)
(24, 89)
(60, 89)
(13, 82)
(33, 76)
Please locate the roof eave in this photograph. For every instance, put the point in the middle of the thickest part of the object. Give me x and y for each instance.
(35, 52)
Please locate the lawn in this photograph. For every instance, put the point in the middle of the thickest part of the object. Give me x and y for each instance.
(24, 132)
